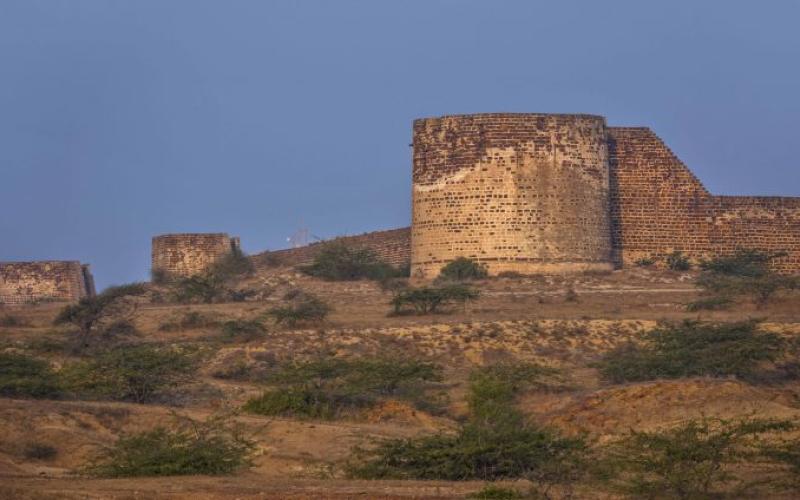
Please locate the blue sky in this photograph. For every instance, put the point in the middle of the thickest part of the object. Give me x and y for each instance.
(120, 120)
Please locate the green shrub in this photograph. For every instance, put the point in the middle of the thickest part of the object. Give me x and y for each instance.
(212, 447)
(39, 451)
(692, 349)
(159, 276)
(91, 316)
(404, 270)
(696, 459)
(710, 304)
(243, 329)
(571, 295)
(188, 321)
(47, 344)
(760, 288)
(214, 284)
(308, 309)
(476, 453)
(201, 288)
(744, 273)
(298, 402)
(25, 377)
(676, 261)
(336, 261)
(492, 492)
(119, 328)
(645, 262)
(271, 259)
(786, 453)
(510, 274)
(743, 262)
(514, 377)
(496, 443)
(10, 321)
(235, 370)
(131, 373)
(328, 388)
(463, 269)
(234, 264)
(428, 300)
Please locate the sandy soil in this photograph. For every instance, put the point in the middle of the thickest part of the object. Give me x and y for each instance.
(527, 319)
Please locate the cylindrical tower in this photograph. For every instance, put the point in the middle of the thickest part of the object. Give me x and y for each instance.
(180, 255)
(518, 192)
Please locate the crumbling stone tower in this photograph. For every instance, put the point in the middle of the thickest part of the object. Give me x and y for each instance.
(518, 192)
(29, 282)
(181, 255)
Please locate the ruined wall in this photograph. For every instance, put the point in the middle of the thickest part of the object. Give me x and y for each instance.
(519, 192)
(180, 255)
(27, 282)
(658, 206)
(392, 246)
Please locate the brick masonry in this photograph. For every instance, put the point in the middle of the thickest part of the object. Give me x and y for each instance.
(542, 193)
(29, 282)
(658, 206)
(392, 246)
(181, 255)
(519, 192)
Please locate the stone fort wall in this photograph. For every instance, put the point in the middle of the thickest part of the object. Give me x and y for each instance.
(518, 192)
(392, 246)
(472, 198)
(29, 282)
(658, 206)
(187, 254)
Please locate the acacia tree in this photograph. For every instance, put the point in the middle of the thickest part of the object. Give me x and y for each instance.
(745, 272)
(92, 316)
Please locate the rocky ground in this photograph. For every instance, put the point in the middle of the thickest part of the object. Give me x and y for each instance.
(525, 318)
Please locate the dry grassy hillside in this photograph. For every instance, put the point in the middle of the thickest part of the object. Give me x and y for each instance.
(564, 324)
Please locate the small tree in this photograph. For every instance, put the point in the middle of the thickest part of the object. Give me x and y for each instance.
(336, 261)
(91, 315)
(692, 460)
(676, 261)
(134, 373)
(496, 443)
(692, 349)
(307, 309)
(243, 329)
(428, 300)
(25, 377)
(463, 269)
(214, 446)
(234, 264)
(745, 272)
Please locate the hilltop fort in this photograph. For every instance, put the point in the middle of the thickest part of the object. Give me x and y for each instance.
(542, 193)
(520, 192)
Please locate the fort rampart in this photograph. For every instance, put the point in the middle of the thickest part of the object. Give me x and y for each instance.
(30, 282)
(537, 193)
(392, 246)
(518, 192)
(186, 254)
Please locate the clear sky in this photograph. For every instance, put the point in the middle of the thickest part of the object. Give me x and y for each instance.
(120, 120)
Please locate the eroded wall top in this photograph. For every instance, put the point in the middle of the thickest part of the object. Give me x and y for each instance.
(518, 192)
(186, 254)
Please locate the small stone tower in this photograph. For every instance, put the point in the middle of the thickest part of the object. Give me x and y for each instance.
(181, 255)
(518, 192)
(30, 282)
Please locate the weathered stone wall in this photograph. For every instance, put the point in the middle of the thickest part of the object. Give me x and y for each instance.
(27, 282)
(181, 255)
(392, 246)
(518, 192)
(659, 206)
